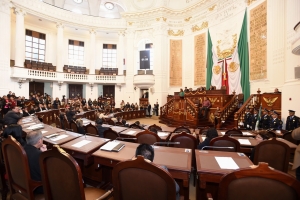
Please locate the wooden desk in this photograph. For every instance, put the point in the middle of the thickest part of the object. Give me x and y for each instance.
(86, 121)
(118, 129)
(209, 171)
(245, 133)
(130, 132)
(67, 136)
(176, 160)
(89, 145)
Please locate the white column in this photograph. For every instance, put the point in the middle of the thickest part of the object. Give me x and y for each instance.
(92, 53)
(5, 27)
(60, 47)
(120, 54)
(130, 50)
(20, 38)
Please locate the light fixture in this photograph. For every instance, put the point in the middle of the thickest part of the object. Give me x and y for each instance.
(21, 81)
(91, 85)
(109, 5)
(78, 1)
(60, 84)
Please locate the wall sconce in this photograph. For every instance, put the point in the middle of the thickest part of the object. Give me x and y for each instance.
(134, 88)
(91, 85)
(60, 84)
(51, 85)
(21, 81)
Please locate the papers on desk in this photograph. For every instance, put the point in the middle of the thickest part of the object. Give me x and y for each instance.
(59, 137)
(26, 120)
(222, 132)
(226, 163)
(44, 132)
(162, 134)
(247, 133)
(244, 141)
(130, 132)
(36, 127)
(29, 124)
(81, 143)
(113, 146)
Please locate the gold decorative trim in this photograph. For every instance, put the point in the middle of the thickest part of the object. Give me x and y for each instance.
(187, 19)
(233, 66)
(130, 23)
(270, 101)
(197, 28)
(179, 32)
(197, 92)
(249, 2)
(212, 8)
(227, 52)
(157, 19)
(163, 18)
(217, 69)
(213, 100)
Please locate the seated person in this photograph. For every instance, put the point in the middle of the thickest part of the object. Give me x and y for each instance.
(34, 148)
(100, 128)
(70, 114)
(261, 136)
(25, 112)
(15, 131)
(13, 116)
(147, 152)
(206, 104)
(80, 127)
(210, 134)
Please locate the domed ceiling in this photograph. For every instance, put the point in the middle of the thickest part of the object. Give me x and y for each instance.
(114, 8)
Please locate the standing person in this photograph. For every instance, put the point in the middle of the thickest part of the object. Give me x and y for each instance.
(206, 104)
(275, 123)
(13, 116)
(254, 119)
(34, 148)
(292, 121)
(248, 119)
(296, 165)
(83, 102)
(265, 120)
(122, 104)
(156, 107)
(90, 102)
(149, 109)
(181, 93)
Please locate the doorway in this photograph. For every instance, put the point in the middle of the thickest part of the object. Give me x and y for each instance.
(75, 91)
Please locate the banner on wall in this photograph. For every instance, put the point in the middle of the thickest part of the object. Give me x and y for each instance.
(144, 59)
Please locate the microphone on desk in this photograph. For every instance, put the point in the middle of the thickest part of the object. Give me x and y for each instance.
(120, 138)
(167, 143)
(214, 147)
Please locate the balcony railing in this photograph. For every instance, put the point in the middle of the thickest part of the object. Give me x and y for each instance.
(20, 72)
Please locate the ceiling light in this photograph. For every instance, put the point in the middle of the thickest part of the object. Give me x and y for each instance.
(109, 5)
(78, 1)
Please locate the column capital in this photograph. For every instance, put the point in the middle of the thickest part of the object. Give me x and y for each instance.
(5, 6)
(59, 25)
(19, 11)
(122, 33)
(93, 31)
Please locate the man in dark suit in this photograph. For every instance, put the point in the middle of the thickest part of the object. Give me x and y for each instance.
(275, 123)
(70, 114)
(292, 121)
(248, 119)
(33, 149)
(265, 120)
(100, 128)
(13, 116)
(149, 109)
(254, 119)
(156, 107)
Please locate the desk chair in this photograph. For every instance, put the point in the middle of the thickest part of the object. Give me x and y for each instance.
(182, 129)
(20, 184)
(234, 132)
(110, 134)
(260, 183)
(147, 137)
(225, 141)
(73, 126)
(62, 178)
(90, 129)
(158, 128)
(138, 179)
(3, 184)
(273, 152)
(288, 136)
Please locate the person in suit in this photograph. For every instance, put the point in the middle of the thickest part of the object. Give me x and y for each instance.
(296, 165)
(275, 123)
(13, 116)
(248, 119)
(147, 151)
(80, 127)
(210, 134)
(56, 103)
(14, 130)
(254, 119)
(33, 149)
(90, 102)
(40, 108)
(149, 109)
(100, 128)
(156, 107)
(292, 121)
(265, 120)
(70, 114)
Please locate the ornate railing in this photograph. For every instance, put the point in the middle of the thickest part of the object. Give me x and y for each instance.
(191, 110)
(227, 110)
(167, 108)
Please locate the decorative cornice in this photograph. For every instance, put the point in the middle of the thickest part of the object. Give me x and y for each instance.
(249, 2)
(59, 25)
(92, 31)
(19, 11)
(172, 33)
(212, 7)
(5, 6)
(197, 28)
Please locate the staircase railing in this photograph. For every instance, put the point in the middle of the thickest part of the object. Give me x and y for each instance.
(227, 110)
(192, 110)
(167, 108)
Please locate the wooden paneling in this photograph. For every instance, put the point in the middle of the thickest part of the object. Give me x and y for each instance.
(108, 91)
(36, 88)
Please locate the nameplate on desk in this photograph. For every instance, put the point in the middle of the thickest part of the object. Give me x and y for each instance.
(113, 146)
(36, 127)
(130, 132)
(226, 163)
(162, 134)
(59, 137)
(223, 133)
(247, 133)
(81, 143)
(244, 141)
(44, 132)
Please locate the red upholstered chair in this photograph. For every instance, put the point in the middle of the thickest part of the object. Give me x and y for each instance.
(259, 183)
(225, 141)
(273, 152)
(21, 185)
(62, 178)
(234, 132)
(110, 134)
(138, 179)
(147, 137)
(182, 129)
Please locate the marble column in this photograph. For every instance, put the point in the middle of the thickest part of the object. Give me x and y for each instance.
(20, 38)
(120, 54)
(60, 47)
(92, 54)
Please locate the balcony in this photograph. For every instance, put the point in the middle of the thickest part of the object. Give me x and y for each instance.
(296, 42)
(144, 81)
(20, 72)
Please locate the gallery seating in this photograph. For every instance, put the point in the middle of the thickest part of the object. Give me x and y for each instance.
(108, 71)
(43, 66)
(74, 69)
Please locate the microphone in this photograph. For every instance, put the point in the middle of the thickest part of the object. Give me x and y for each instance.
(215, 147)
(120, 138)
(167, 143)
